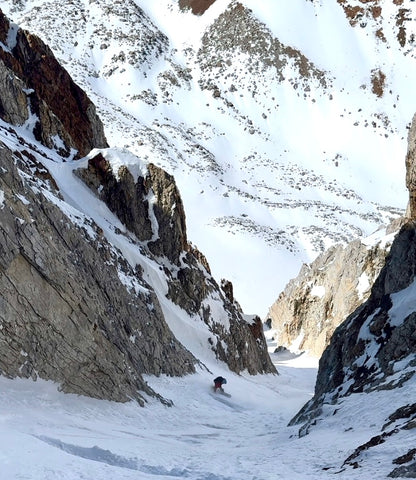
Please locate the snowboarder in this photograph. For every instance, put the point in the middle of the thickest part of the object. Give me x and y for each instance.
(218, 383)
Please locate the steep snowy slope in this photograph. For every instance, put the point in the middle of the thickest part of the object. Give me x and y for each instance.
(284, 123)
(47, 435)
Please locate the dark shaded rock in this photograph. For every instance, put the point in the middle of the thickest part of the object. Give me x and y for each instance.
(14, 105)
(373, 442)
(227, 288)
(150, 207)
(170, 215)
(406, 458)
(405, 471)
(198, 7)
(62, 108)
(405, 412)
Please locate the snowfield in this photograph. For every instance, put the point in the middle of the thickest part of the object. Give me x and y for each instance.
(48, 435)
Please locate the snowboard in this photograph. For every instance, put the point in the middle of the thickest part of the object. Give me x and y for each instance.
(221, 392)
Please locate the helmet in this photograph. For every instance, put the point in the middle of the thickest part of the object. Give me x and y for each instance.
(224, 380)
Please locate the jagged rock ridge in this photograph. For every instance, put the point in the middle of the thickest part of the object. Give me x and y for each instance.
(162, 228)
(30, 72)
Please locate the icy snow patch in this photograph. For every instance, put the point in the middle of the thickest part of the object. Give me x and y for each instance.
(318, 291)
(118, 157)
(403, 304)
(363, 285)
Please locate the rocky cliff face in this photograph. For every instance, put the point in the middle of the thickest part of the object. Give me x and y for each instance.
(74, 309)
(150, 206)
(65, 313)
(374, 350)
(35, 86)
(326, 291)
(411, 170)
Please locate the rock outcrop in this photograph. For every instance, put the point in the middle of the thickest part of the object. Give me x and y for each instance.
(372, 12)
(326, 291)
(65, 313)
(365, 349)
(35, 88)
(150, 206)
(198, 7)
(237, 32)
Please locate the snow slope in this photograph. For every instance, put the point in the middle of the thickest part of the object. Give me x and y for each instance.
(47, 435)
(289, 168)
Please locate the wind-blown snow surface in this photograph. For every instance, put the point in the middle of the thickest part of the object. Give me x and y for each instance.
(316, 166)
(46, 435)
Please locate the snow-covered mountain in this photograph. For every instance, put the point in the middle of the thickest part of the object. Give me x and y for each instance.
(107, 298)
(284, 123)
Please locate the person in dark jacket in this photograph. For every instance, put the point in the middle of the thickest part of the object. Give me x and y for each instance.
(218, 383)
